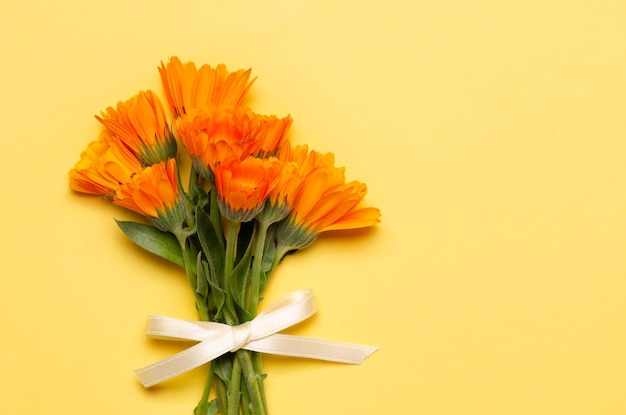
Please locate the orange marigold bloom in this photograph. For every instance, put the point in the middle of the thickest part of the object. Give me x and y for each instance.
(325, 202)
(152, 192)
(243, 186)
(210, 138)
(103, 167)
(141, 125)
(268, 131)
(324, 207)
(281, 198)
(217, 133)
(187, 88)
(307, 161)
(288, 184)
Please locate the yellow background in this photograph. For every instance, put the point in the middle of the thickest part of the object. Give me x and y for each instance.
(491, 135)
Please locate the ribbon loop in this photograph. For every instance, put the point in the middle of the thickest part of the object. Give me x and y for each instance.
(260, 335)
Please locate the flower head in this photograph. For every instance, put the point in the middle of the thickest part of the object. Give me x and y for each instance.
(218, 133)
(243, 186)
(187, 88)
(154, 192)
(282, 197)
(268, 131)
(103, 167)
(324, 202)
(141, 125)
(324, 207)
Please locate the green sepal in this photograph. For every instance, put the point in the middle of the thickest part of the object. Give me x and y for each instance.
(163, 244)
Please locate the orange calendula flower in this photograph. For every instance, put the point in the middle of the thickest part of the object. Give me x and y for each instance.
(288, 184)
(268, 131)
(154, 192)
(324, 208)
(307, 161)
(243, 186)
(141, 125)
(215, 134)
(103, 167)
(282, 197)
(325, 202)
(187, 88)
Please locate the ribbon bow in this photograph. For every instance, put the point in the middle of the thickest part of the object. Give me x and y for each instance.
(258, 335)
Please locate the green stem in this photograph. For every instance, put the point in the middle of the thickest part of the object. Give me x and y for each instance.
(251, 377)
(207, 387)
(203, 313)
(255, 294)
(204, 401)
(230, 313)
(232, 232)
(245, 402)
(222, 394)
(231, 247)
(243, 363)
(251, 362)
(234, 391)
(258, 369)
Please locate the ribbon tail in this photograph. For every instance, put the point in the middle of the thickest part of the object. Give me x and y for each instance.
(311, 348)
(182, 362)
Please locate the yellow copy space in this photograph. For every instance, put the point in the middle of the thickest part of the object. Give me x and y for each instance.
(491, 134)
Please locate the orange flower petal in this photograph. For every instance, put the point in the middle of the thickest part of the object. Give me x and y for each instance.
(141, 125)
(188, 88)
(325, 201)
(243, 185)
(357, 218)
(150, 191)
(217, 133)
(103, 167)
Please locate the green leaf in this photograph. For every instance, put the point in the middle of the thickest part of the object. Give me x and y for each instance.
(202, 277)
(238, 284)
(191, 253)
(210, 242)
(269, 254)
(211, 290)
(205, 408)
(163, 244)
(223, 368)
(217, 293)
(212, 409)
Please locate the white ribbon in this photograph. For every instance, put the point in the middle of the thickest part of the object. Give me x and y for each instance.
(258, 335)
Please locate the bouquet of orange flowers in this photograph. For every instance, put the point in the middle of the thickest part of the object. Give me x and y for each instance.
(251, 199)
